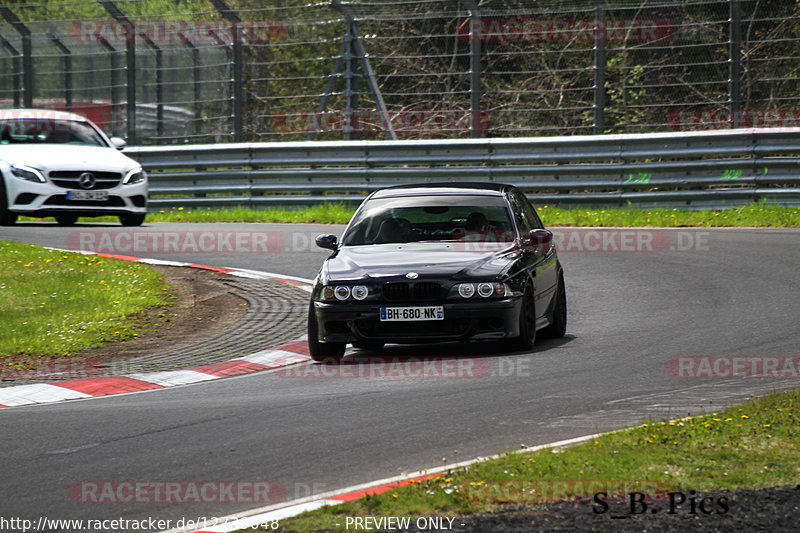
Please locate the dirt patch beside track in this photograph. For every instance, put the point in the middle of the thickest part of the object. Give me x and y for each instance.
(203, 307)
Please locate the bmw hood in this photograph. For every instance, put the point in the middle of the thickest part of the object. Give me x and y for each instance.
(67, 157)
(428, 259)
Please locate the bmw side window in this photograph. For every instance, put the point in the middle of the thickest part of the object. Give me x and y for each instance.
(520, 215)
(532, 215)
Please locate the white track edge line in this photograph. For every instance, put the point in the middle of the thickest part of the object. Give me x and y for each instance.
(241, 520)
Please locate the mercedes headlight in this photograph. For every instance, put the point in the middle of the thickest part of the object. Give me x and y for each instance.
(27, 173)
(137, 175)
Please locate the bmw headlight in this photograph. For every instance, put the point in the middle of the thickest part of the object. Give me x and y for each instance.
(342, 292)
(466, 290)
(359, 292)
(137, 175)
(27, 173)
(484, 290)
(345, 292)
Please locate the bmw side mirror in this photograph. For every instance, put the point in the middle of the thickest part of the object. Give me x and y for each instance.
(118, 143)
(327, 241)
(537, 241)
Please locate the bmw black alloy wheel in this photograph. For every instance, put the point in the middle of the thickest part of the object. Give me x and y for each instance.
(328, 352)
(527, 322)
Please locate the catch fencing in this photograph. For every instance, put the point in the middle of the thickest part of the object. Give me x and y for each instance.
(689, 170)
(217, 71)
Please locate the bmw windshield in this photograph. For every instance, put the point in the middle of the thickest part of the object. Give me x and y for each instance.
(430, 218)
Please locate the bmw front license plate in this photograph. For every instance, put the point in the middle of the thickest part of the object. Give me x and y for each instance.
(408, 314)
(87, 195)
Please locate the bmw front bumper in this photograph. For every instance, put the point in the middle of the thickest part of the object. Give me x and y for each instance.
(463, 321)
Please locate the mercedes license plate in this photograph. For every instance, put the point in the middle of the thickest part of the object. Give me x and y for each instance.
(87, 195)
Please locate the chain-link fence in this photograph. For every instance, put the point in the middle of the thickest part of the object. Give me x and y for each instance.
(174, 71)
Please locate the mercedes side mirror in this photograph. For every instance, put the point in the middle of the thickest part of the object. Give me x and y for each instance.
(118, 143)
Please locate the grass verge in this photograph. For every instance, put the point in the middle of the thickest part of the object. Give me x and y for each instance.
(753, 215)
(58, 303)
(755, 445)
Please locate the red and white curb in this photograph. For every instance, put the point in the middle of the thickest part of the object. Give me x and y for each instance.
(285, 510)
(301, 283)
(274, 357)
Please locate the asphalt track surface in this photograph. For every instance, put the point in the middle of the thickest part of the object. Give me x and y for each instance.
(714, 293)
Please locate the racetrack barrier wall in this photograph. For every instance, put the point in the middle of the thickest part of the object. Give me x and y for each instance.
(708, 169)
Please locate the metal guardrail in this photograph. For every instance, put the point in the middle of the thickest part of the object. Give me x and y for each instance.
(712, 169)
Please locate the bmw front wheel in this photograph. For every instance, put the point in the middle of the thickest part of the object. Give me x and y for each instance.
(328, 352)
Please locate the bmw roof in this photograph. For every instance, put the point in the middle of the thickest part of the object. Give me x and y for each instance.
(461, 188)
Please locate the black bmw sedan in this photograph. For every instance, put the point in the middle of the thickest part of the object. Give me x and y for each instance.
(438, 262)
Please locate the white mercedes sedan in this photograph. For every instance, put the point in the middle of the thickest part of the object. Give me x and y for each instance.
(57, 164)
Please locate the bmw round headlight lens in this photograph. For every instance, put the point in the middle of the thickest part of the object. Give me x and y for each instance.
(342, 292)
(466, 290)
(485, 290)
(359, 292)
